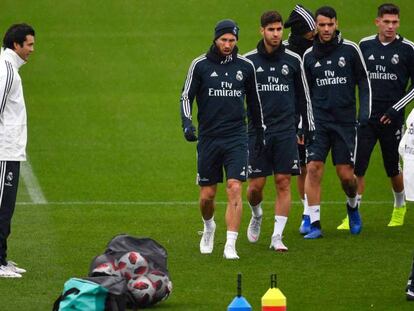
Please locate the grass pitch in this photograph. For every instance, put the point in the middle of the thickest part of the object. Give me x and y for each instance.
(105, 143)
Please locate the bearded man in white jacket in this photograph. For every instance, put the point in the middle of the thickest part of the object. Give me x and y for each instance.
(18, 44)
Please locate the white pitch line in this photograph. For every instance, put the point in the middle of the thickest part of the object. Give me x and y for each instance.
(32, 185)
(176, 203)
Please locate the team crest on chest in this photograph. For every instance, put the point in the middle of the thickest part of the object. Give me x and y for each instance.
(341, 61)
(285, 70)
(239, 75)
(395, 59)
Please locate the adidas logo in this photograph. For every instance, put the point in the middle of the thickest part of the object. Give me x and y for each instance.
(260, 69)
(214, 74)
(295, 166)
(371, 57)
(318, 64)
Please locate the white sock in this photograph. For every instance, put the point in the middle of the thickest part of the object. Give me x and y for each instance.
(280, 223)
(257, 210)
(359, 199)
(231, 239)
(314, 213)
(399, 198)
(352, 202)
(305, 206)
(209, 224)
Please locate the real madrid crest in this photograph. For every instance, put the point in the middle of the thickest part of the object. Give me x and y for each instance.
(239, 75)
(395, 59)
(285, 70)
(341, 61)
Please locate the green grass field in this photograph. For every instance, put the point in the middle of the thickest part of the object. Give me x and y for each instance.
(105, 144)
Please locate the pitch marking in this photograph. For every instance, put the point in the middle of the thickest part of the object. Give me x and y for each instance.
(32, 185)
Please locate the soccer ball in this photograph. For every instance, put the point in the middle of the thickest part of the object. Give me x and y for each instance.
(131, 265)
(142, 290)
(162, 284)
(105, 268)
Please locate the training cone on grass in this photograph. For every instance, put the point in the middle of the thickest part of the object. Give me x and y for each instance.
(273, 300)
(239, 303)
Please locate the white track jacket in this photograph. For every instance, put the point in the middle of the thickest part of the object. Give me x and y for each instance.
(406, 150)
(13, 120)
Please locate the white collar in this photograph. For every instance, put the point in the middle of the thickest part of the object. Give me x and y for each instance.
(12, 57)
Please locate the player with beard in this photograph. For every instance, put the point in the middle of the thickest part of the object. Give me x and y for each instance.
(334, 67)
(220, 81)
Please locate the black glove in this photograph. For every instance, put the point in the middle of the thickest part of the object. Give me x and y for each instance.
(309, 137)
(260, 141)
(190, 133)
(300, 133)
(392, 114)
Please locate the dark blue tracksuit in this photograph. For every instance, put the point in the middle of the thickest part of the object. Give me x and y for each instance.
(390, 69)
(220, 87)
(282, 88)
(333, 70)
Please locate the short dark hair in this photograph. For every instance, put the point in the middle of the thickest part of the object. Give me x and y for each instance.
(326, 11)
(388, 8)
(17, 34)
(270, 17)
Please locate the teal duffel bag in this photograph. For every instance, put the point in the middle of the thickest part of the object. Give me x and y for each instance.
(82, 295)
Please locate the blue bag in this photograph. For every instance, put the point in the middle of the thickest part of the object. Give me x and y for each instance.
(82, 295)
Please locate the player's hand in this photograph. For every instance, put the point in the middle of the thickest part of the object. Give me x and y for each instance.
(300, 136)
(260, 141)
(309, 137)
(190, 133)
(389, 116)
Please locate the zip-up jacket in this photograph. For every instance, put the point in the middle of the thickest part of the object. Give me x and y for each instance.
(333, 70)
(13, 122)
(390, 67)
(282, 88)
(220, 87)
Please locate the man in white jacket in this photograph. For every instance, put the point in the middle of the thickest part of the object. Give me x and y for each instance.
(18, 44)
(406, 150)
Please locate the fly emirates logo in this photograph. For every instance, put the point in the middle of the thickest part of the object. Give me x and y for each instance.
(382, 74)
(272, 85)
(330, 79)
(225, 91)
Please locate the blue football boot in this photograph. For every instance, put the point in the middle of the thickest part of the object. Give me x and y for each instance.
(305, 226)
(355, 223)
(315, 233)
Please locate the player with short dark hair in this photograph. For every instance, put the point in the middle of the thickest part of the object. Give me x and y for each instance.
(18, 44)
(390, 62)
(302, 24)
(282, 88)
(220, 81)
(334, 67)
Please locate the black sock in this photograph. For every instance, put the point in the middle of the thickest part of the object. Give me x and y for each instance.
(316, 224)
